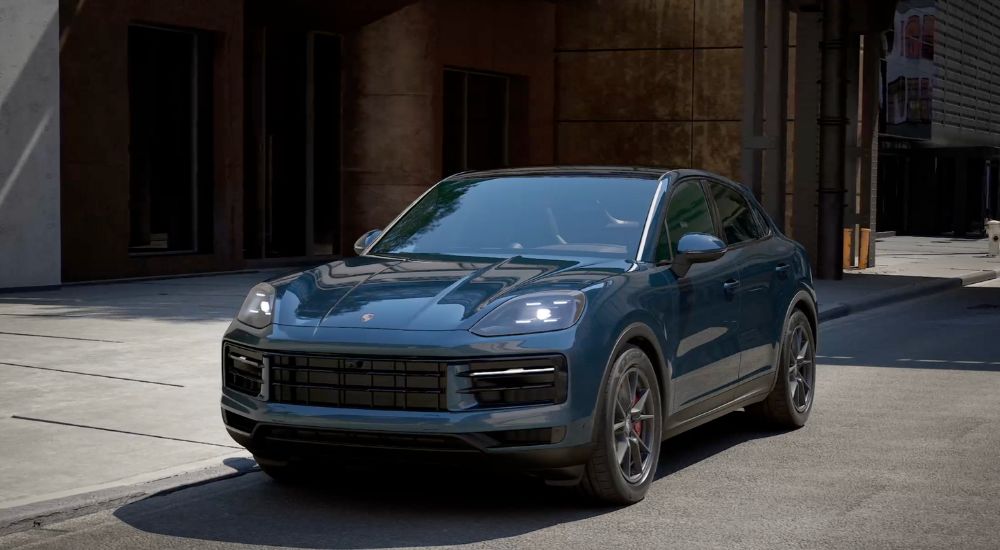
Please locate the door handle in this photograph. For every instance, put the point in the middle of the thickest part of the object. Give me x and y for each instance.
(782, 270)
(731, 285)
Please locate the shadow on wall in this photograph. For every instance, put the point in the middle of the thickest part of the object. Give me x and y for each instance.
(395, 508)
(29, 143)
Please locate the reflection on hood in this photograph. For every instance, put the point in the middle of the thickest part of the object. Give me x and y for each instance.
(437, 294)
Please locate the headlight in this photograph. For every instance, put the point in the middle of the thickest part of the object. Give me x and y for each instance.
(258, 306)
(541, 312)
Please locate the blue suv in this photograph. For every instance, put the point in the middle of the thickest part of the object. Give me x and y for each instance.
(561, 321)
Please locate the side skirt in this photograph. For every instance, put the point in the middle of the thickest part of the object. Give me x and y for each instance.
(748, 393)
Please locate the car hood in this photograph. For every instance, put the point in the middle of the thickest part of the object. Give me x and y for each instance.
(433, 294)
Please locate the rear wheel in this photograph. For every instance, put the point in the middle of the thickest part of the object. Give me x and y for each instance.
(790, 402)
(628, 425)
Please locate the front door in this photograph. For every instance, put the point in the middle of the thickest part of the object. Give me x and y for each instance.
(760, 266)
(703, 324)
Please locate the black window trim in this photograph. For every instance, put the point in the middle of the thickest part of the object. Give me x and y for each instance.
(700, 181)
(765, 227)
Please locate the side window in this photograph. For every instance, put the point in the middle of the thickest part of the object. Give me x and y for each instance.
(738, 221)
(687, 212)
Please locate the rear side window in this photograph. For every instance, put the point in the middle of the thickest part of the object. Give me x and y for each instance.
(737, 218)
(687, 212)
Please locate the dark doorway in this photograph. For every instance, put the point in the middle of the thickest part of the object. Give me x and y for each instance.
(476, 121)
(292, 203)
(892, 176)
(170, 152)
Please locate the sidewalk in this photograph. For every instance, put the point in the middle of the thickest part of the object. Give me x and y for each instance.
(906, 268)
(117, 384)
(112, 384)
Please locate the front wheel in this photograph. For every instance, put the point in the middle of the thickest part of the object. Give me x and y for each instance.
(790, 402)
(628, 425)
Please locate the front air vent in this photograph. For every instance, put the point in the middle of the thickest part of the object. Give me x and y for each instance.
(243, 369)
(513, 382)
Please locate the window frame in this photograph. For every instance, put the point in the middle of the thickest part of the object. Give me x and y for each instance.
(466, 73)
(662, 229)
(765, 228)
(203, 132)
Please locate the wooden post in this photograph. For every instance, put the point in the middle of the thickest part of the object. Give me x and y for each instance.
(848, 249)
(864, 244)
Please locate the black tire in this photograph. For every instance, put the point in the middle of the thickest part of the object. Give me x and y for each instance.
(281, 471)
(604, 479)
(783, 408)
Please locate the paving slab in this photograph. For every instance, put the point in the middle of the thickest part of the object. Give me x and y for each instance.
(112, 382)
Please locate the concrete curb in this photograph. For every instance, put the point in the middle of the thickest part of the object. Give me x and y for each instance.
(895, 296)
(31, 516)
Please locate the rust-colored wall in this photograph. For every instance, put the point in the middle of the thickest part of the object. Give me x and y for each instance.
(95, 134)
(651, 82)
(393, 95)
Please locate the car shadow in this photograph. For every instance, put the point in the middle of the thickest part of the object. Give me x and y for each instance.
(398, 507)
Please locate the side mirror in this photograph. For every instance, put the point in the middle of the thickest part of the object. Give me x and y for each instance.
(696, 248)
(366, 240)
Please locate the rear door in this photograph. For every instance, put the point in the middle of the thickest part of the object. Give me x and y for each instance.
(748, 241)
(704, 321)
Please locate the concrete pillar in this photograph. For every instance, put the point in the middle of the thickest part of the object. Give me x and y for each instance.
(30, 249)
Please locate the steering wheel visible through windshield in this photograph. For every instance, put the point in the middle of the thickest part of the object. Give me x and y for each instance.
(543, 215)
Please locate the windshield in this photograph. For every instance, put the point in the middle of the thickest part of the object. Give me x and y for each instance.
(542, 215)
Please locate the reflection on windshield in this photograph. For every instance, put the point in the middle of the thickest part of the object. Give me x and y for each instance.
(543, 215)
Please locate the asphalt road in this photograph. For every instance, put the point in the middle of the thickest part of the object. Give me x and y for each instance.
(902, 451)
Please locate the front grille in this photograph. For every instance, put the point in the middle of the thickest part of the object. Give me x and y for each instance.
(395, 384)
(359, 383)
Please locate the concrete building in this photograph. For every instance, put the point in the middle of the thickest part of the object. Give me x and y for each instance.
(30, 252)
(940, 129)
(142, 138)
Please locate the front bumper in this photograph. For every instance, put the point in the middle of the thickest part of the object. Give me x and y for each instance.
(524, 437)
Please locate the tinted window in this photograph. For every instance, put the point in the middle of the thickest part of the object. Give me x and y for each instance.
(687, 212)
(509, 216)
(738, 221)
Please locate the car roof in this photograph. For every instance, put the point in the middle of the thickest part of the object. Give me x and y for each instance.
(639, 172)
(636, 172)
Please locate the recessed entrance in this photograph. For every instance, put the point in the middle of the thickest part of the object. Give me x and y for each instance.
(292, 201)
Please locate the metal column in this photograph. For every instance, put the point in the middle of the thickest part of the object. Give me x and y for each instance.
(776, 113)
(833, 127)
(753, 94)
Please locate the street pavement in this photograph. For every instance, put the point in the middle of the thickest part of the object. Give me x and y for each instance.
(900, 452)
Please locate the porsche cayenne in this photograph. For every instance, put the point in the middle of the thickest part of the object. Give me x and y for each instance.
(560, 321)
